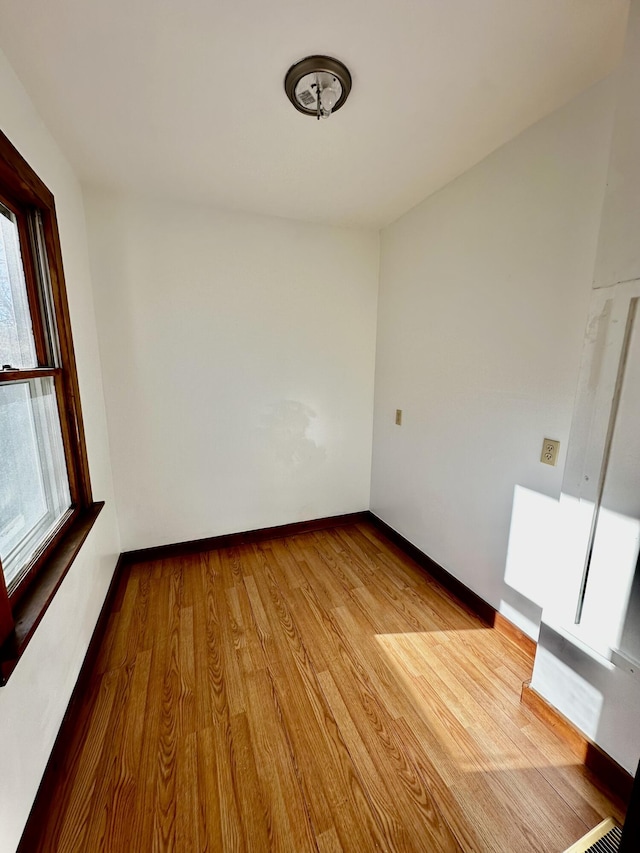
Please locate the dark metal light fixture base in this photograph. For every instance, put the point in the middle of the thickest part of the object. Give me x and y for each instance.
(305, 81)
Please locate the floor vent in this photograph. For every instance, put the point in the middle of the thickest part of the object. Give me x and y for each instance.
(605, 838)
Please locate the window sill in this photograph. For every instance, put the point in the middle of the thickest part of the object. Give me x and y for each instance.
(33, 605)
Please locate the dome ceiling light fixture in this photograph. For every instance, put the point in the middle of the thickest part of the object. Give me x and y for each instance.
(318, 85)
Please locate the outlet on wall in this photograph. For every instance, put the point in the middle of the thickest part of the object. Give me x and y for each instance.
(550, 449)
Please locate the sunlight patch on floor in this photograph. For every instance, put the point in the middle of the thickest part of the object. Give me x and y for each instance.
(464, 726)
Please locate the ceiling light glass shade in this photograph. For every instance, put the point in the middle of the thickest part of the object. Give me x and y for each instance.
(328, 98)
(318, 85)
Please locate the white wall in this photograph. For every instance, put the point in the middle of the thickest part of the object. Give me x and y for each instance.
(238, 356)
(579, 680)
(618, 256)
(484, 291)
(33, 702)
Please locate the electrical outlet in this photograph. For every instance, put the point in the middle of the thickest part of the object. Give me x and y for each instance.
(398, 417)
(550, 449)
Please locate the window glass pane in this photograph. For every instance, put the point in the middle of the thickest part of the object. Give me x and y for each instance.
(34, 491)
(17, 347)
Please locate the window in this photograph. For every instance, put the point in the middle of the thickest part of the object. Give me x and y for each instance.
(45, 493)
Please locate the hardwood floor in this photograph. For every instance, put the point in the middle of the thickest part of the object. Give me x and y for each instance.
(319, 692)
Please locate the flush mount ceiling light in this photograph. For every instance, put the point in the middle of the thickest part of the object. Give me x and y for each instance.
(318, 85)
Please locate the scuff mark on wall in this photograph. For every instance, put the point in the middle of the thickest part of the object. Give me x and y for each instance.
(289, 426)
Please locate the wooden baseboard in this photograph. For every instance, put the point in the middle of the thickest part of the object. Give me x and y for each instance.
(231, 540)
(69, 721)
(476, 605)
(614, 777)
(506, 627)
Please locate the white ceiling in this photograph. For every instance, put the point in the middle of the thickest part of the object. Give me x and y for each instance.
(184, 98)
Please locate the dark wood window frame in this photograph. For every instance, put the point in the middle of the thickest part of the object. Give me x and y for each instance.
(27, 197)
